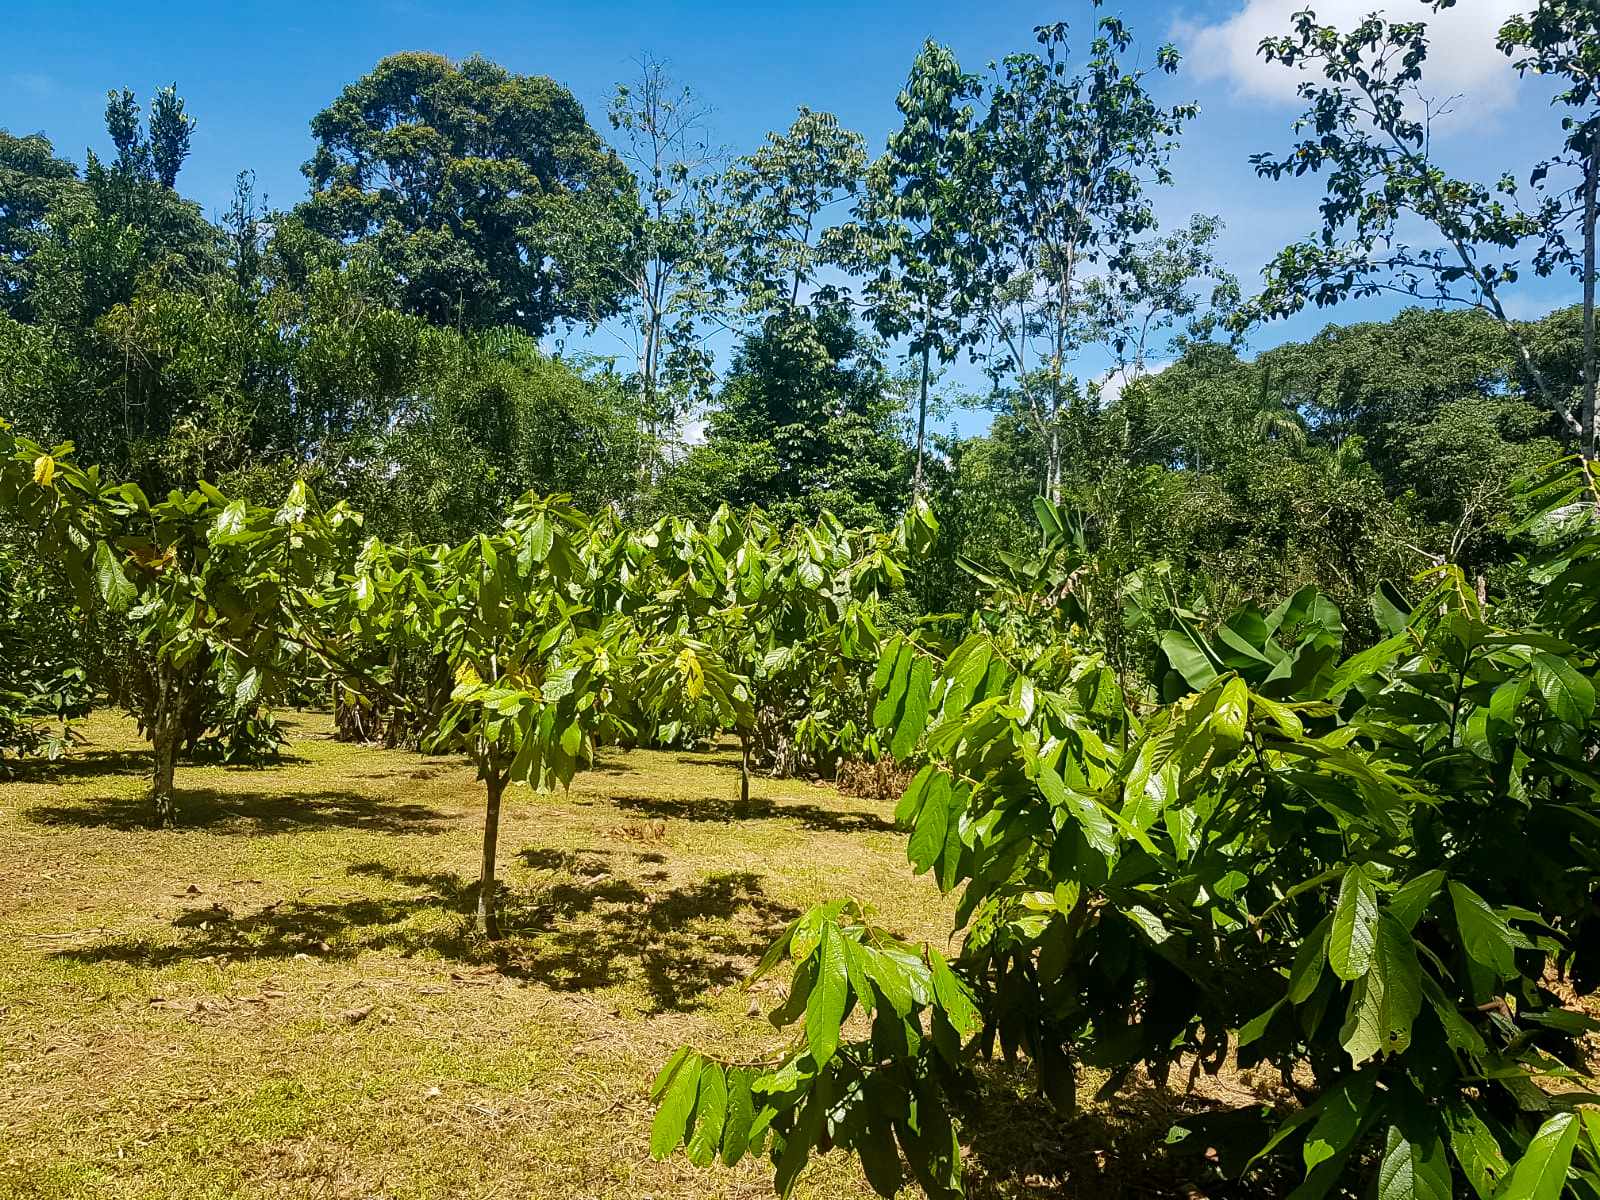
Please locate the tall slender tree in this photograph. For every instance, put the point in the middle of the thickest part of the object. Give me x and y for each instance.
(668, 271)
(910, 230)
(1068, 157)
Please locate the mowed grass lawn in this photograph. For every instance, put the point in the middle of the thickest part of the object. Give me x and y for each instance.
(284, 997)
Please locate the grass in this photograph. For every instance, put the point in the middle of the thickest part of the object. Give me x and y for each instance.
(284, 997)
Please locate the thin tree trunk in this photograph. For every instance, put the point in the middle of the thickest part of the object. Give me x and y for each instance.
(488, 911)
(922, 426)
(1590, 183)
(164, 741)
(744, 770)
(1053, 488)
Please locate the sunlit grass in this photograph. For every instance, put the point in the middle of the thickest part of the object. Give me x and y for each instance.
(284, 997)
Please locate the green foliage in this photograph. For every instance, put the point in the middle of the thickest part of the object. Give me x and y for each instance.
(465, 178)
(214, 593)
(806, 422)
(1358, 869)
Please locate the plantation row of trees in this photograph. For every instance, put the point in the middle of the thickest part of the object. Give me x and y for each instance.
(1248, 704)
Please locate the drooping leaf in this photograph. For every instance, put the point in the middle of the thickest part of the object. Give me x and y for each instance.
(954, 997)
(1485, 936)
(741, 1114)
(914, 716)
(1355, 924)
(115, 590)
(826, 1004)
(677, 1105)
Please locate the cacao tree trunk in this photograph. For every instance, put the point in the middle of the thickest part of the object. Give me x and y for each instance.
(165, 735)
(744, 769)
(488, 885)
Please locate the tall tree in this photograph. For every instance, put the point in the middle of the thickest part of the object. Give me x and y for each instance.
(1068, 158)
(33, 182)
(464, 177)
(910, 230)
(667, 272)
(807, 420)
(1561, 38)
(1368, 130)
(777, 204)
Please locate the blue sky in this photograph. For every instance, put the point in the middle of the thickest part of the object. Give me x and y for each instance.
(253, 74)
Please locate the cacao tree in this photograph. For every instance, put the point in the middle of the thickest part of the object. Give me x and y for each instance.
(1371, 871)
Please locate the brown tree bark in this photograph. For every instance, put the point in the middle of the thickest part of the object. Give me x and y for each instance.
(165, 735)
(488, 884)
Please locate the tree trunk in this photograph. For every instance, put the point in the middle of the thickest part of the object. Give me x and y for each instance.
(488, 885)
(164, 738)
(1053, 467)
(1590, 183)
(922, 427)
(744, 770)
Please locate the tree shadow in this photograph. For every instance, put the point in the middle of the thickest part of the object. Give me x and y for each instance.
(101, 764)
(679, 943)
(84, 764)
(332, 930)
(1021, 1146)
(724, 810)
(588, 929)
(248, 812)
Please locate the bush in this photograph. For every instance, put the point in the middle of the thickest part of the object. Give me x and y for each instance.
(1370, 872)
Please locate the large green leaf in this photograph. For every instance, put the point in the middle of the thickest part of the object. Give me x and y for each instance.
(1340, 1119)
(1306, 972)
(1569, 694)
(1355, 924)
(928, 838)
(1541, 1173)
(893, 690)
(1475, 1147)
(1485, 936)
(914, 716)
(741, 1115)
(115, 590)
(677, 1105)
(1387, 999)
(826, 1004)
(710, 1111)
(1413, 1170)
(1190, 657)
(954, 997)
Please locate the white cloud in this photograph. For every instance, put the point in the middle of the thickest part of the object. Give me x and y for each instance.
(1114, 381)
(1462, 57)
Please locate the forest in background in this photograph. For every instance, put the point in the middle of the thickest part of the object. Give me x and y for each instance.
(382, 337)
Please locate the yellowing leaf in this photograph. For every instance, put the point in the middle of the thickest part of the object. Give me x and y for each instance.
(44, 470)
(694, 675)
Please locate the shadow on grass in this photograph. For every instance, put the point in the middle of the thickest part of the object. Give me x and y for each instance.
(101, 764)
(251, 812)
(575, 933)
(1021, 1147)
(723, 809)
(678, 943)
(83, 764)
